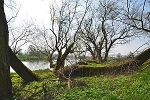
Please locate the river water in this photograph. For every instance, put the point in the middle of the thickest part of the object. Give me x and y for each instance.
(37, 65)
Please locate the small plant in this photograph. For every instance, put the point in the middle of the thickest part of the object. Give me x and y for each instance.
(66, 74)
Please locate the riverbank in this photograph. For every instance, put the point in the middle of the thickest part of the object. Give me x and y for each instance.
(30, 58)
(134, 86)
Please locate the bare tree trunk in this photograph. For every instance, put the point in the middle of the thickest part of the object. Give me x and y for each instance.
(144, 56)
(106, 55)
(5, 81)
(59, 62)
(99, 55)
(135, 63)
(61, 59)
(25, 73)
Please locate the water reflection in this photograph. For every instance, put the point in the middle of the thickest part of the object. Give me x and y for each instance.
(35, 65)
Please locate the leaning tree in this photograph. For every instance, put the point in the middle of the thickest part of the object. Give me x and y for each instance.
(8, 58)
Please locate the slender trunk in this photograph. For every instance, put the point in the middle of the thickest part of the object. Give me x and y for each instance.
(25, 73)
(93, 57)
(107, 50)
(99, 55)
(50, 59)
(69, 83)
(93, 54)
(5, 81)
(105, 39)
(106, 55)
(100, 59)
(92, 51)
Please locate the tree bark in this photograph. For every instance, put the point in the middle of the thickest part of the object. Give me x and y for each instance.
(133, 64)
(61, 60)
(5, 81)
(62, 57)
(25, 73)
(143, 57)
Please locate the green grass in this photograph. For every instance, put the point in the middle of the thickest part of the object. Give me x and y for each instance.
(135, 86)
(28, 58)
(94, 63)
(98, 64)
(110, 62)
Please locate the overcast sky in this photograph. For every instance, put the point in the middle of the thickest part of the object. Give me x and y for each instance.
(38, 10)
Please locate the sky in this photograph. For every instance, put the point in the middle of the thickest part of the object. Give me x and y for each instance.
(38, 10)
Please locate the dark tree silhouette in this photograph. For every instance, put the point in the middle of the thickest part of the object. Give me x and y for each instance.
(7, 59)
(5, 81)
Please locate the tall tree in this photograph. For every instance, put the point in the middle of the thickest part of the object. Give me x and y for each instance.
(60, 38)
(6, 60)
(5, 81)
(102, 30)
(68, 21)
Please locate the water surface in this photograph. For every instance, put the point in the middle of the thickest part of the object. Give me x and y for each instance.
(35, 65)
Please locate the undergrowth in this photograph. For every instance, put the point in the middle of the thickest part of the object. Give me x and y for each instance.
(135, 86)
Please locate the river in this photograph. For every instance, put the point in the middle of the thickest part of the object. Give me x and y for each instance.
(36, 65)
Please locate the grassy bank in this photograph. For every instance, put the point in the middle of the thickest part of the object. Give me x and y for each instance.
(135, 86)
(30, 58)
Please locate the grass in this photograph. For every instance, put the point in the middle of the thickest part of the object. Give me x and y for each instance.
(98, 64)
(110, 62)
(27, 57)
(30, 58)
(93, 63)
(135, 86)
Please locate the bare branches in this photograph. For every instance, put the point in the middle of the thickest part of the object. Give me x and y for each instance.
(21, 36)
(65, 27)
(139, 17)
(13, 17)
(102, 30)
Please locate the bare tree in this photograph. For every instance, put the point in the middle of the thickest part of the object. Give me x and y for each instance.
(114, 32)
(59, 40)
(102, 30)
(92, 38)
(65, 16)
(68, 22)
